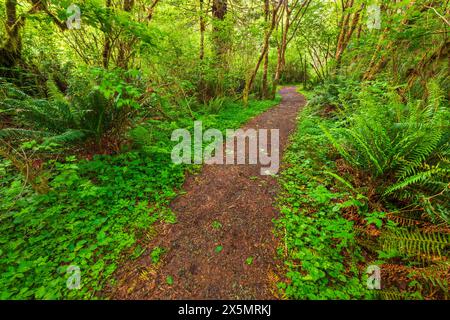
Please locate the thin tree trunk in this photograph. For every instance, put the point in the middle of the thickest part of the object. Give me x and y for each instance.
(281, 50)
(251, 78)
(343, 25)
(202, 30)
(201, 83)
(347, 33)
(106, 54)
(264, 91)
(151, 10)
(124, 45)
(305, 74)
(219, 12)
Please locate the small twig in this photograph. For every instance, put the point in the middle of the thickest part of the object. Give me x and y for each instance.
(440, 16)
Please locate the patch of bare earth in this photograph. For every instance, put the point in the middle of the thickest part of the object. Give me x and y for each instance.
(242, 201)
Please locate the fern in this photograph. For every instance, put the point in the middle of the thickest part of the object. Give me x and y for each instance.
(216, 104)
(416, 243)
(419, 177)
(340, 179)
(391, 295)
(405, 147)
(420, 154)
(68, 137)
(335, 143)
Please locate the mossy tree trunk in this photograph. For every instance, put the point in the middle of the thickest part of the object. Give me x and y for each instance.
(11, 50)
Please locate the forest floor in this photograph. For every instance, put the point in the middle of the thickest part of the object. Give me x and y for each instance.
(222, 246)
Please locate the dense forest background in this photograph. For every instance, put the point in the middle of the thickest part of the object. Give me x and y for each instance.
(87, 108)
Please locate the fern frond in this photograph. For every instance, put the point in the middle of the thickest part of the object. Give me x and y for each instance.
(391, 295)
(415, 243)
(335, 143)
(420, 153)
(419, 177)
(366, 150)
(16, 133)
(70, 136)
(340, 179)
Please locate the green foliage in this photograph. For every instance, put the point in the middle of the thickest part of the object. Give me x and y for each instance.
(94, 211)
(376, 218)
(216, 225)
(86, 111)
(91, 216)
(404, 147)
(334, 92)
(319, 245)
(390, 161)
(215, 105)
(156, 254)
(416, 243)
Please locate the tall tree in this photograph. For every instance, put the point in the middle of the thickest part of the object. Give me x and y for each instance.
(264, 88)
(202, 29)
(293, 14)
(125, 45)
(10, 52)
(219, 12)
(348, 25)
(106, 54)
(275, 19)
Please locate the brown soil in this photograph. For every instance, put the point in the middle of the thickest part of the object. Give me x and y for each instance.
(241, 200)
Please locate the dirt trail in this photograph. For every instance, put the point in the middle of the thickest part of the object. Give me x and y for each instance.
(241, 200)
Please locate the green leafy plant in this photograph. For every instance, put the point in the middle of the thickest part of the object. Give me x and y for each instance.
(216, 225)
(156, 254)
(403, 147)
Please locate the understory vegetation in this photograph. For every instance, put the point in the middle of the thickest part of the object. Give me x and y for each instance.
(93, 209)
(365, 189)
(91, 91)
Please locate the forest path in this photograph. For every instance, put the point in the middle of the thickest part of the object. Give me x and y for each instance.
(222, 246)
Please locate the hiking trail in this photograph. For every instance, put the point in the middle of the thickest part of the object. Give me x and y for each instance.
(222, 246)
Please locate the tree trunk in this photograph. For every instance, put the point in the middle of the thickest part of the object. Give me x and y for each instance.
(202, 92)
(343, 27)
(220, 42)
(265, 48)
(11, 51)
(264, 89)
(219, 11)
(125, 45)
(347, 32)
(106, 54)
(281, 57)
(151, 9)
(128, 5)
(305, 74)
(202, 30)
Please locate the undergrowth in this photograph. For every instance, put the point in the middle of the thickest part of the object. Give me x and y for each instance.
(366, 184)
(94, 210)
(318, 244)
